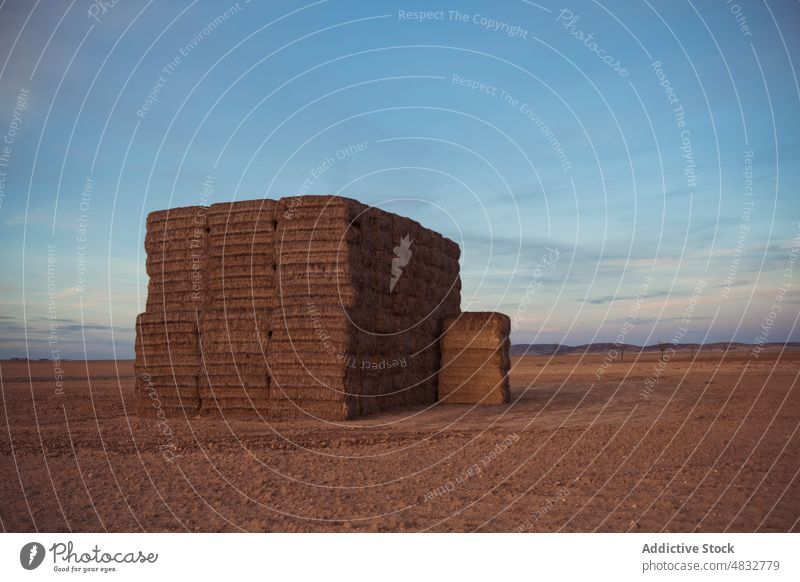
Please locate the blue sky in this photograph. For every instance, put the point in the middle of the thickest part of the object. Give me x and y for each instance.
(621, 137)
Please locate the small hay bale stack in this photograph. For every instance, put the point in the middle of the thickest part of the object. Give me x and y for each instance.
(167, 363)
(175, 242)
(475, 359)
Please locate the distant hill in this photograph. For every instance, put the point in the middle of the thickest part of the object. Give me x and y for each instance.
(597, 348)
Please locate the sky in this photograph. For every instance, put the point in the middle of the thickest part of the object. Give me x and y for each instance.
(610, 171)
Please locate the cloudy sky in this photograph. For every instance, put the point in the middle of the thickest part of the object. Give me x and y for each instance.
(603, 167)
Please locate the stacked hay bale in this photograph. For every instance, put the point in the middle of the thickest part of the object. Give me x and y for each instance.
(413, 283)
(175, 243)
(309, 306)
(312, 341)
(475, 359)
(356, 326)
(235, 327)
(309, 371)
(234, 379)
(167, 333)
(241, 260)
(167, 363)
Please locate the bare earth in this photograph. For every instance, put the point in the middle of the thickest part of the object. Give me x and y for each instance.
(715, 447)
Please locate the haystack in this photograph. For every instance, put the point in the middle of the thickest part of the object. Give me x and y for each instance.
(475, 359)
(176, 255)
(167, 363)
(356, 324)
(311, 306)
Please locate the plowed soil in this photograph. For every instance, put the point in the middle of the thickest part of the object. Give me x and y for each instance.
(714, 446)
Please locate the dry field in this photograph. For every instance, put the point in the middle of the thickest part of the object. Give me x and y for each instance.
(714, 447)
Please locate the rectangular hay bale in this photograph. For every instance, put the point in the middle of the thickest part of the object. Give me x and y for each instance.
(475, 359)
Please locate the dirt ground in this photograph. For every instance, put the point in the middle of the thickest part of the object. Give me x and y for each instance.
(713, 446)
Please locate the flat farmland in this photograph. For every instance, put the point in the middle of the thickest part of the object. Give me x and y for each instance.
(705, 444)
